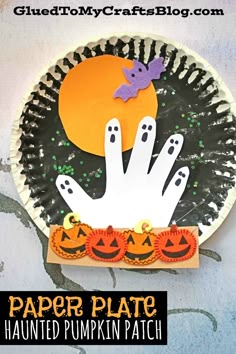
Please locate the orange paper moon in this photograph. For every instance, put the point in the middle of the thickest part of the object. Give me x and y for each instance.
(86, 103)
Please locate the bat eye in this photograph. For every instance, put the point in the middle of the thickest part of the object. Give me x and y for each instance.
(140, 70)
(133, 75)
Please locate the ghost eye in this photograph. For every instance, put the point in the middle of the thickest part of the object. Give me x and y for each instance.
(169, 243)
(140, 70)
(100, 242)
(114, 243)
(133, 75)
(183, 241)
(147, 241)
(130, 239)
(64, 236)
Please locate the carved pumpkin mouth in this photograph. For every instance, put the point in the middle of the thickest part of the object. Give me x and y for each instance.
(176, 254)
(139, 256)
(73, 250)
(105, 255)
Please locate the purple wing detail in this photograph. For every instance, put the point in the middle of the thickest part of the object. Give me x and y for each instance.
(155, 68)
(125, 92)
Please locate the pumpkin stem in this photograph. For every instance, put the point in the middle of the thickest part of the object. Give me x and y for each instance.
(143, 226)
(173, 228)
(110, 229)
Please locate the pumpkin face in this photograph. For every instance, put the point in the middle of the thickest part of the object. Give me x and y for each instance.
(177, 245)
(140, 250)
(106, 245)
(70, 243)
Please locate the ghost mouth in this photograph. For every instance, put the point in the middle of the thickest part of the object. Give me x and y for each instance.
(105, 255)
(73, 250)
(140, 257)
(176, 254)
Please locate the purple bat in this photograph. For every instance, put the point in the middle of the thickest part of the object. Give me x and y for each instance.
(139, 77)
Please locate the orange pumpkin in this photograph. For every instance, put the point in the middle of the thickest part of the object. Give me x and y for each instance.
(175, 245)
(106, 245)
(70, 243)
(140, 249)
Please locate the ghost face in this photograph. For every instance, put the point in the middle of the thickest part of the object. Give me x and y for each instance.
(138, 75)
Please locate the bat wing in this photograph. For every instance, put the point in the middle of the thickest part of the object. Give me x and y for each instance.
(155, 68)
(125, 92)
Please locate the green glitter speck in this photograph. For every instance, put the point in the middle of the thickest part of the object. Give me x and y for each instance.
(57, 132)
(85, 174)
(86, 185)
(192, 167)
(55, 167)
(81, 162)
(182, 115)
(80, 179)
(62, 211)
(194, 193)
(163, 104)
(67, 144)
(177, 127)
(53, 139)
(97, 175)
(88, 179)
(54, 157)
(51, 179)
(188, 118)
(198, 124)
(190, 125)
(165, 78)
(200, 143)
(44, 175)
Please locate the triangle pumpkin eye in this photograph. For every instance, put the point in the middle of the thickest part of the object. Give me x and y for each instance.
(169, 243)
(81, 232)
(183, 241)
(64, 236)
(147, 241)
(130, 239)
(114, 243)
(100, 242)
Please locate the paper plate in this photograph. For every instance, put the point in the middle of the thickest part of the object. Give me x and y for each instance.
(193, 101)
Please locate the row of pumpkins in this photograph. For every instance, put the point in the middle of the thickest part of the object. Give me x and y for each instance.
(110, 245)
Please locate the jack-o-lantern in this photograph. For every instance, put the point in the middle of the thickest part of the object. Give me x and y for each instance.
(70, 243)
(106, 245)
(140, 250)
(175, 245)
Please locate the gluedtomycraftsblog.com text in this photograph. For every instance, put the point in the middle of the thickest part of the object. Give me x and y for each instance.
(115, 11)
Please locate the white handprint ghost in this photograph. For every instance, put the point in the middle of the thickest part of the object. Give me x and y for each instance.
(136, 194)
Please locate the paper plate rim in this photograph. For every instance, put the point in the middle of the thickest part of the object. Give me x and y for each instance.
(15, 155)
